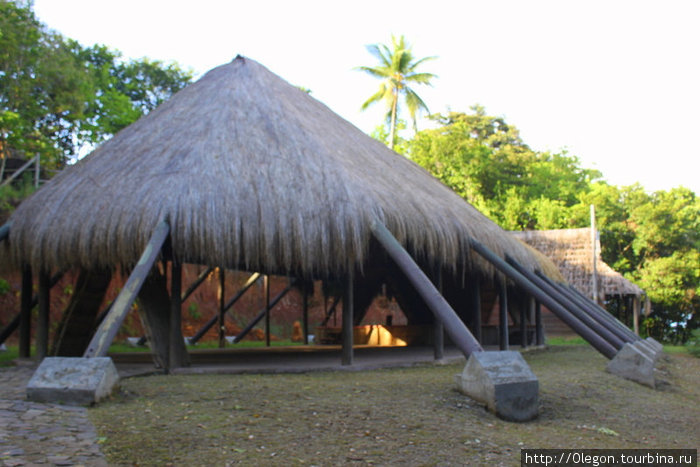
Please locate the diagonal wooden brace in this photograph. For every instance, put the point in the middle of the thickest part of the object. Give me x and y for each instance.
(110, 325)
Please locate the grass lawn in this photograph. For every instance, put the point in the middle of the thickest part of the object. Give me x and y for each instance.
(409, 416)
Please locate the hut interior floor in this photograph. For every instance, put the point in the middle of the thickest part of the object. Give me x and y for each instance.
(296, 359)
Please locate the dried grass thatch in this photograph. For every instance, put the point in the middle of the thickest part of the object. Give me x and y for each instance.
(572, 251)
(251, 173)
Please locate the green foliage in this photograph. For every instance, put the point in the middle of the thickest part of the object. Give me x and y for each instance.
(13, 193)
(5, 287)
(653, 239)
(57, 97)
(693, 344)
(484, 160)
(193, 311)
(397, 70)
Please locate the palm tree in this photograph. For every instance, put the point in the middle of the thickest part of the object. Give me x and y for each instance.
(397, 69)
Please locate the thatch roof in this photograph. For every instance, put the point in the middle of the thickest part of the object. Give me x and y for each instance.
(572, 251)
(251, 173)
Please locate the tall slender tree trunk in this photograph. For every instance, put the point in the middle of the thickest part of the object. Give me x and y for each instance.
(392, 130)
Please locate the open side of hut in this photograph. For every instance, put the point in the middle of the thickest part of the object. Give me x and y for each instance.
(577, 254)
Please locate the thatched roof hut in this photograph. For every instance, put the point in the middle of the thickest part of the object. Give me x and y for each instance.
(573, 252)
(251, 173)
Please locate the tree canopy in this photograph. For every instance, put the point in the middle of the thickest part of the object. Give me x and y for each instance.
(653, 239)
(57, 96)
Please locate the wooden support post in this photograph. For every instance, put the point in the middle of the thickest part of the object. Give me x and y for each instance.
(438, 328)
(222, 308)
(503, 343)
(14, 322)
(635, 314)
(305, 311)
(523, 324)
(266, 287)
(476, 307)
(348, 319)
(531, 317)
(454, 326)
(99, 345)
(42, 324)
(25, 320)
(539, 327)
(176, 338)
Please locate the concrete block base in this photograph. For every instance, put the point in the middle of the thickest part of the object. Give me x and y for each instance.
(654, 344)
(647, 349)
(73, 380)
(633, 364)
(504, 382)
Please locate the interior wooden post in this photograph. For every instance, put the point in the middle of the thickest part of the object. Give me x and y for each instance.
(222, 308)
(305, 311)
(523, 323)
(25, 320)
(539, 326)
(348, 309)
(503, 314)
(266, 283)
(175, 354)
(531, 316)
(42, 324)
(476, 307)
(438, 327)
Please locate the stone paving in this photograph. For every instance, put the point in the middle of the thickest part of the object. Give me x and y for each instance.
(42, 434)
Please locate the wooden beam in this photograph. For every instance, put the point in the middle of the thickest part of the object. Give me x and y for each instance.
(261, 315)
(503, 343)
(197, 282)
(222, 308)
(438, 328)
(348, 319)
(454, 326)
(539, 326)
(175, 340)
(14, 323)
(601, 344)
(305, 311)
(99, 345)
(42, 324)
(523, 324)
(266, 288)
(18, 172)
(25, 320)
(203, 330)
(476, 307)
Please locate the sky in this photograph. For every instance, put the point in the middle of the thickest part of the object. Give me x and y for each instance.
(615, 83)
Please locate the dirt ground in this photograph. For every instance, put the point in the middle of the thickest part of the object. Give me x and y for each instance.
(410, 416)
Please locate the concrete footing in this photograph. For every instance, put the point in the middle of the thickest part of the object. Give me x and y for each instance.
(647, 349)
(504, 382)
(73, 380)
(654, 344)
(633, 364)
